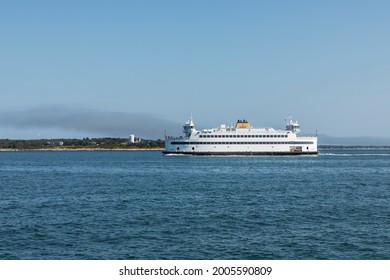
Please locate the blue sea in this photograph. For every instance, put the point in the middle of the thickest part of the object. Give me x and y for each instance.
(143, 205)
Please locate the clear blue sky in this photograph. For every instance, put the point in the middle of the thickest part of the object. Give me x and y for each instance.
(111, 68)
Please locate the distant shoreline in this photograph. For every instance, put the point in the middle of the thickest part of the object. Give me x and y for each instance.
(64, 149)
(85, 144)
(78, 149)
(350, 147)
(125, 144)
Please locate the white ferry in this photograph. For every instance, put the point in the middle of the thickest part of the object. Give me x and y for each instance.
(242, 139)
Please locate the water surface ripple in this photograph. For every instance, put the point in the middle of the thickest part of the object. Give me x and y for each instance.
(142, 205)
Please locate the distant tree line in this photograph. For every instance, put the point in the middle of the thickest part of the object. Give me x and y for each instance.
(87, 143)
(116, 143)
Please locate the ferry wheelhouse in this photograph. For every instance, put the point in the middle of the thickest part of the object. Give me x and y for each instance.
(242, 139)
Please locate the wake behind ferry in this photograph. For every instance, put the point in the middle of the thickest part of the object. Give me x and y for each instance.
(242, 139)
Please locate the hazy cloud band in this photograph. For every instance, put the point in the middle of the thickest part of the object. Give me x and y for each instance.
(114, 124)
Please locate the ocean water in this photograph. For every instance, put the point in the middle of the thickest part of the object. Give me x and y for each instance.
(143, 205)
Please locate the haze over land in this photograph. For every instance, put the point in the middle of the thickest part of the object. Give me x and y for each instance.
(77, 69)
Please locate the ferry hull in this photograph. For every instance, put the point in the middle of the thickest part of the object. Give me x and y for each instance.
(191, 147)
(240, 153)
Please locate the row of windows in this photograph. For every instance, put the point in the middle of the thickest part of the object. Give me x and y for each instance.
(241, 143)
(243, 136)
